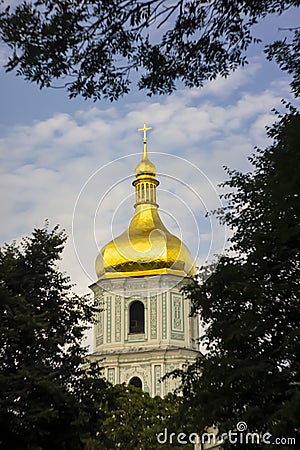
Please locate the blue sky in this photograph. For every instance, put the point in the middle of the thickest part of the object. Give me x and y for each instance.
(60, 157)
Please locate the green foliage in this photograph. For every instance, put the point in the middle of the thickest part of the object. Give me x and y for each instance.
(47, 399)
(250, 305)
(96, 47)
(287, 56)
(134, 419)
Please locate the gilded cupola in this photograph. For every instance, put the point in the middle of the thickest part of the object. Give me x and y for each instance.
(146, 247)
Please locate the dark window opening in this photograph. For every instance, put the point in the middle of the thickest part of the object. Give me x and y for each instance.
(136, 318)
(136, 381)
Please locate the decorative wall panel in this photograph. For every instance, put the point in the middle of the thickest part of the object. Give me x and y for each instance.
(118, 318)
(153, 317)
(108, 319)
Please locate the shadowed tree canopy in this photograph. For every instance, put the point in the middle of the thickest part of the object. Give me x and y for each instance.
(134, 419)
(250, 305)
(48, 400)
(94, 48)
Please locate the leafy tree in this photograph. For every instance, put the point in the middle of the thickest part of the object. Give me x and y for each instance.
(134, 420)
(250, 305)
(287, 55)
(47, 399)
(97, 46)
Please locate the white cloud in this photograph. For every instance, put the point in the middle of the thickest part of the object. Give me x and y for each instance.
(225, 87)
(45, 165)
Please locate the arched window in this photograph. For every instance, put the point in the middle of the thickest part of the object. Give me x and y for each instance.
(136, 317)
(137, 382)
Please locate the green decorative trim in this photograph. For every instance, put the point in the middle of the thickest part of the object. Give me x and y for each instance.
(177, 313)
(111, 376)
(108, 319)
(99, 320)
(164, 316)
(126, 317)
(118, 318)
(177, 336)
(157, 382)
(153, 317)
(99, 326)
(99, 340)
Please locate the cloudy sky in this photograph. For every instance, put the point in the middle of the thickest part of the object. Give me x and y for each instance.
(72, 161)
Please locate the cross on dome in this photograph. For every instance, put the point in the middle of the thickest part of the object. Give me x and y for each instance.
(145, 167)
(145, 129)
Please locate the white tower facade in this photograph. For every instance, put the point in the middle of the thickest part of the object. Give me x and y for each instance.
(143, 328)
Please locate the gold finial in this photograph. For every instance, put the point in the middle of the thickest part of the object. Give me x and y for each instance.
(145, 129)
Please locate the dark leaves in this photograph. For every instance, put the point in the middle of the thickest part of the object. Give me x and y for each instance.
(47, 398)
(250, 305)
(92, 47)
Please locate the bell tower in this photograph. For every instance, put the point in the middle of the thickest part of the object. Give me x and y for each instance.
(143, 329)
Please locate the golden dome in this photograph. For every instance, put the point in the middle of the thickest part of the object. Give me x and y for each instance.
(145, 167)
(146, 247)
